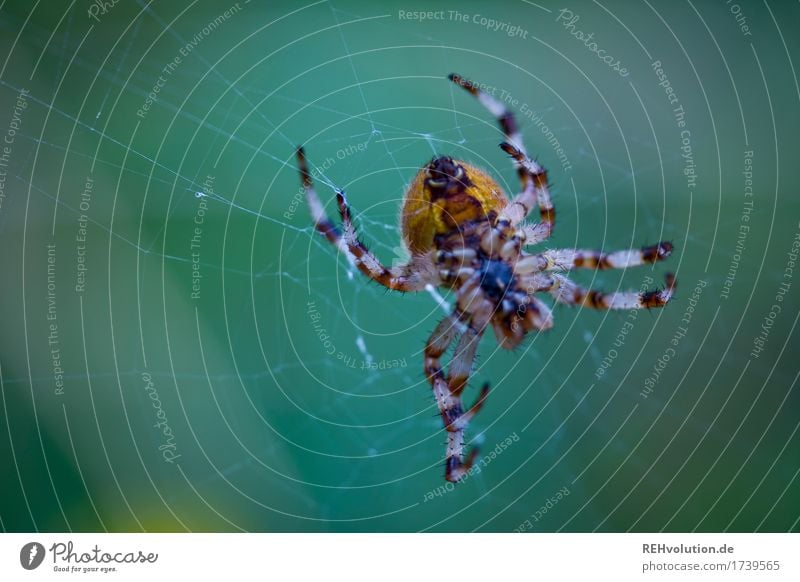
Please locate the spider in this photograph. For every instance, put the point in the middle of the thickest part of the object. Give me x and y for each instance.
(466, 235)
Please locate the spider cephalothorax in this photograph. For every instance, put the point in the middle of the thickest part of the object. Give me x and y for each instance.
(465, 234)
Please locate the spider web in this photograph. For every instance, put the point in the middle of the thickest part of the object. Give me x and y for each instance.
(293, 387)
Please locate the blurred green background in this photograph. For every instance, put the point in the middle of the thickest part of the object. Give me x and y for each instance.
(224, 369)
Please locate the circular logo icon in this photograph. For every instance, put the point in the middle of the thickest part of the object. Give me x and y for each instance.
(31, 555)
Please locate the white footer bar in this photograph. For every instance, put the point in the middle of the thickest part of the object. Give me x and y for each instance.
(388, 557)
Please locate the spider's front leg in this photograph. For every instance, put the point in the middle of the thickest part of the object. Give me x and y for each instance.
(536, 192)
(532, 176)
(503, 115)
(506, 235)
(412, 276)
(448, 389)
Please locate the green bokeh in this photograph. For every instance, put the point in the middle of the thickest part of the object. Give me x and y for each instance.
(275, 432)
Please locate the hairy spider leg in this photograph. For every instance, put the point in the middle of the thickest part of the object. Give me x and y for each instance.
(503, 115)
(527, 169)
(537, 191)
(411, 276)
(472, 318)
(568, 292)
(568, 259)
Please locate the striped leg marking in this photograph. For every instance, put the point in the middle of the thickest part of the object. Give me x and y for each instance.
(504, 116)
(569, 293)
(447, 390)
(408, 277)
(568, 259)
(536, 192)
(322, 223)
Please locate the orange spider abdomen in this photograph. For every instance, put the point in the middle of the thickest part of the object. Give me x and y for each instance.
(444, 195)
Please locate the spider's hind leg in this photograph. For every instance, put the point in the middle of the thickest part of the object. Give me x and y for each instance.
(448, 389)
